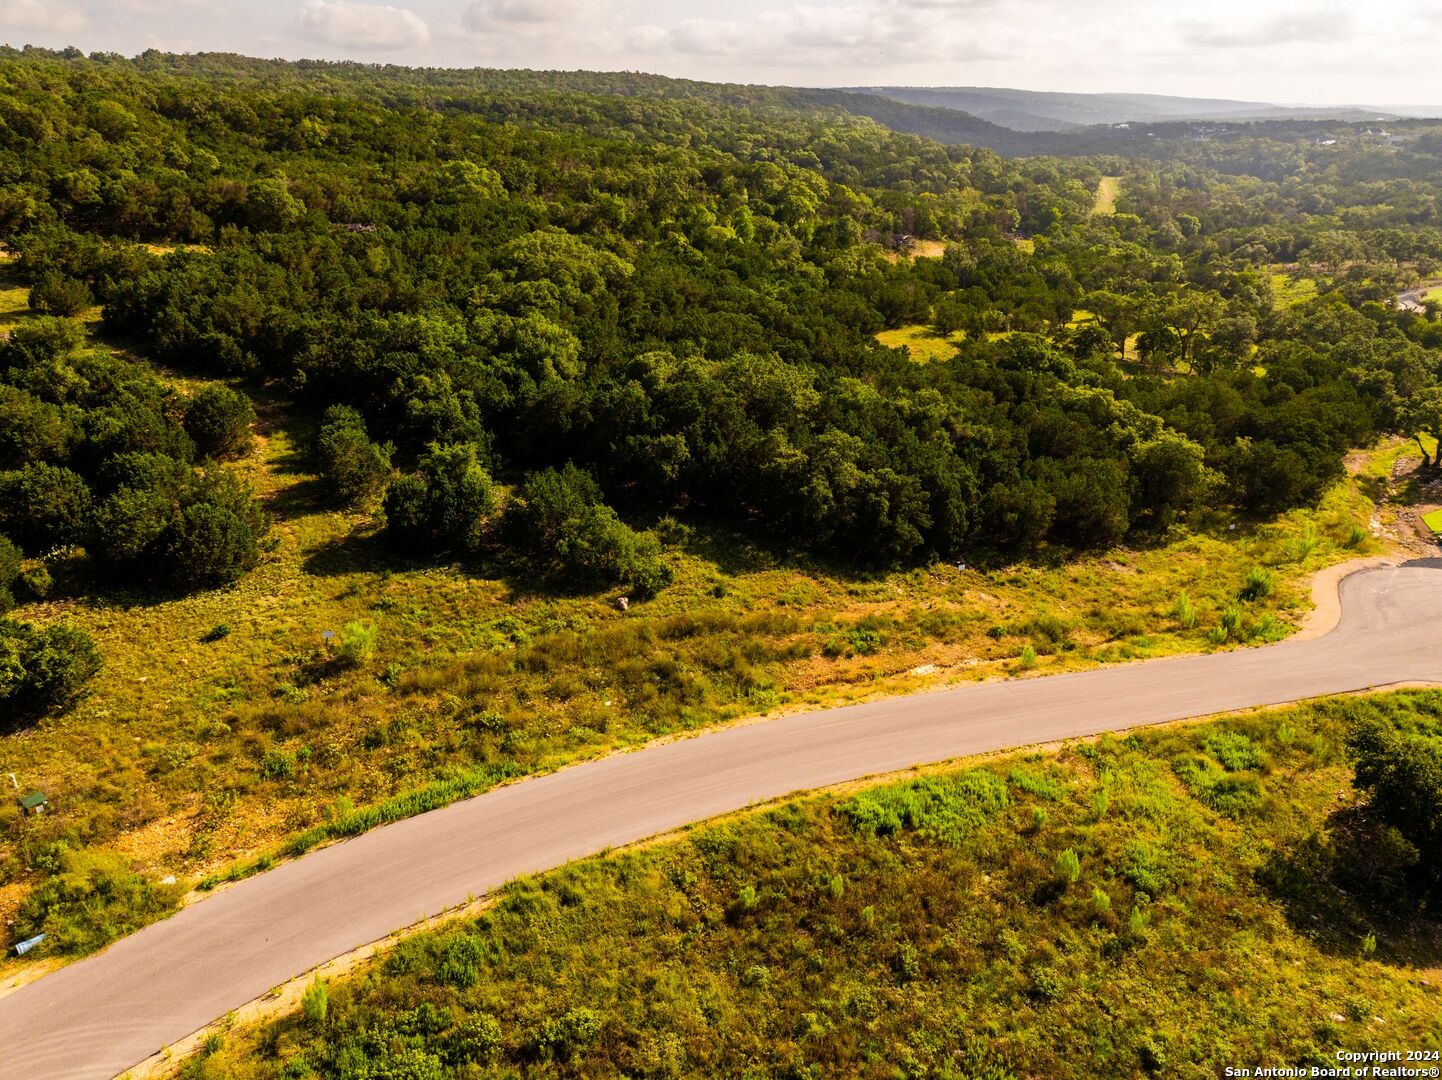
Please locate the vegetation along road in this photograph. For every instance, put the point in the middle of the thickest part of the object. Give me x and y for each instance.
(108, 1012)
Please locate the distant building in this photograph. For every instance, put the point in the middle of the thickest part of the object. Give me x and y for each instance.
(34, 803)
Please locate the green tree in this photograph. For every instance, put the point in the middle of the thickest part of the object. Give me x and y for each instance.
(571, 535)
(1402, 776)
(43, 670)
(9, 572)
(209, 545)
(44, 506)
(219, 419)
(353, 469)
(445, 505)
(55, 293)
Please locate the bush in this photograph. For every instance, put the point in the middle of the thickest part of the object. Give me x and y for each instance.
(91, 899)
(946, 808)
(315, 1002)
(357, 643)
(55, 293)
(353, 469)
(1259, 584)
(43, 671)
(9, 573)
(570, 534)
(209, 546)
(1184, 611)
(126, 527)
(44, 506)
(1402, 776)
(218, 419)
(36, 582)
(1068, 868)
(444, 506)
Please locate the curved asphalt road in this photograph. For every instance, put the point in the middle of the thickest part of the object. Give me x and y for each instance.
(106, 1013)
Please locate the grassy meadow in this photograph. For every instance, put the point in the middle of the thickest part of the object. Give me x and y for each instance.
(1108, 188)
(1165, 904)
(922, 342)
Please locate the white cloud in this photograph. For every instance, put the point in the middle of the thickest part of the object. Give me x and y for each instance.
(1324, 23)
(859, 33)
(554, 19)
(39, 16)
(362, 26)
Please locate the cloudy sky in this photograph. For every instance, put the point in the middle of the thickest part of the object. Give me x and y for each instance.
(1315, 51)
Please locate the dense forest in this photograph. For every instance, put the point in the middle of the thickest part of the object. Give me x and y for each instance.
(557, 309)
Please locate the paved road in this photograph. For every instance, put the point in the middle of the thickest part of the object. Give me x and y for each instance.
(98, 1017)
(1411, 300)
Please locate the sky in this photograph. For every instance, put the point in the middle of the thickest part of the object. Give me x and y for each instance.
(1285, 51)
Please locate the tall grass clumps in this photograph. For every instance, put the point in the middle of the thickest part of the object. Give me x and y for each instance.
(944, 808)
(357, 643)
(1258, 584)
(87, 900)
(1184, 612)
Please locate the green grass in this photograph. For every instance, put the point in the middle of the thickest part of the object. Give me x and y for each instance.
(1433, 520)
(1434, 293)
(14, 293)
(1185, 898)
(1108, 188)
(1290, 289)
(924, 344)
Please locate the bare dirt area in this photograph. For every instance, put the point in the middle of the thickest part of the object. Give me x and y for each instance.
(1412, 491)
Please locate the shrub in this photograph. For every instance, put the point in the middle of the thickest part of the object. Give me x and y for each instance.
(1402, 776)
(1068, 867)
(315, 1002)
(9, 573)
(1101, 901)
(91, 899)
(43, 671)
(1137, 922)
(209, 545)
(44, 506)
(1185, 613)
(1258, 585)
(353, 469)
(946, 808)
(127, 526)
(357, 643)
(863, 640)
(219, 419)
(277, 764)
(55, 293)
(1233, 749)
(1146, 868)
(570, 534)
(460, 964)
(1046, 983)
(1027, 658)
(444, 506)
(36, 582)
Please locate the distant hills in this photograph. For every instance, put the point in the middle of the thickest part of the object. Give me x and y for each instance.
(1036, 110)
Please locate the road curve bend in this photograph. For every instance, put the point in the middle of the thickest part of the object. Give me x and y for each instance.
(108, 1012)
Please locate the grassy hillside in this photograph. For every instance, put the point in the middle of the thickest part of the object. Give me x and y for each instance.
(223, 728)
(1165, 904)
